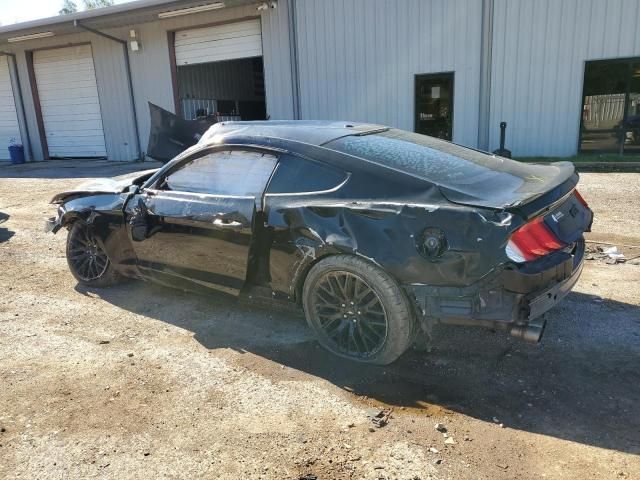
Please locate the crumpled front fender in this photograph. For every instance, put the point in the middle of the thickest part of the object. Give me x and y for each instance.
(85, 209)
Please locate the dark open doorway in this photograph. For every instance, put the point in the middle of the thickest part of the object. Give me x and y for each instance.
(434, 105)
(227, 90)
(611, 106)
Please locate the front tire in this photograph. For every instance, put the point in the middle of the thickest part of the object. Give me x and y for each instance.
(357, 310)
(87, 260)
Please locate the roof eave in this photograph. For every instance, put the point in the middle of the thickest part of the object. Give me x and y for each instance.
(112, 12)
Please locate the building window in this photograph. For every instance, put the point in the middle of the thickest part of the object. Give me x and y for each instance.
(611, 106)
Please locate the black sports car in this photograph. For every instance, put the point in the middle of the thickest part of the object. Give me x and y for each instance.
(376, 233)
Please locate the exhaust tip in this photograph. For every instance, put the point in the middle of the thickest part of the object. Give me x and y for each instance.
(531, 333)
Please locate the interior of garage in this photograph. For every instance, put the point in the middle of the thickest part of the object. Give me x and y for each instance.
(220, 72)
(227, 90)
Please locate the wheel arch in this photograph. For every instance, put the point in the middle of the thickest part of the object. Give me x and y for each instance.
(301, 278)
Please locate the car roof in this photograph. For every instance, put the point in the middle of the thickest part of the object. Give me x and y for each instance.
(313, 132)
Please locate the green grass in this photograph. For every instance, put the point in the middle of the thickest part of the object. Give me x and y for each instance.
(605, 158)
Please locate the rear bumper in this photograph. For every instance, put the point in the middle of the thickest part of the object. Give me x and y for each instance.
(511, 298)
(546, 300)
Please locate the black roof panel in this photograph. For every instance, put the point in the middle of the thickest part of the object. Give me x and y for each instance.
(313, 132)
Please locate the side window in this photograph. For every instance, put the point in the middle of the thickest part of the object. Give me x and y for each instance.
(230, 172)
(299, 175)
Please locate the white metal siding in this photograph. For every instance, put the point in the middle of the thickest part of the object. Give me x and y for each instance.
(277, 56)
(215, 44)
(68, 93)
(358, 58)
(8, 116)
(539, 51)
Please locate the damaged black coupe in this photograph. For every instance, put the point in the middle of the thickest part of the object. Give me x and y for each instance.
(377, 233)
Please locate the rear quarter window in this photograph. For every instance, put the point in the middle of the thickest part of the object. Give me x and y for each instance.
(299, 175)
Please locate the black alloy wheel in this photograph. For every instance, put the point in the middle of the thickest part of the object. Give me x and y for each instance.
(87, 259)
(358, 310)
(350, 314)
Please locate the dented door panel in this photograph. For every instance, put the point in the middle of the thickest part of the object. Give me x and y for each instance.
(201, 237)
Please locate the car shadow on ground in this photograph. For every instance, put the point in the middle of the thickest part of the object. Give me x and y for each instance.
(582, 383)
(5, 233)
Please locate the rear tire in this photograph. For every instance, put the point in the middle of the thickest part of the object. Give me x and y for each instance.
(357, 310)
(87, 260)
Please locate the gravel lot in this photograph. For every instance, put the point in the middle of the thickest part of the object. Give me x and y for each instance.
(141, 381)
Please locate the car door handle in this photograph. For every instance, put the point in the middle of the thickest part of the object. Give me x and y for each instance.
(218, 222)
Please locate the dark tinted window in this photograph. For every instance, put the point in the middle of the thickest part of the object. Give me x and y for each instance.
(611, 106)
(298, 175)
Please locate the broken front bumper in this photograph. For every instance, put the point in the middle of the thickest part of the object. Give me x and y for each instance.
(512, 297)
(53, 224)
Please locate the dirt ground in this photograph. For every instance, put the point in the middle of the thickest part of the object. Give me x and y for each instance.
(141, 381)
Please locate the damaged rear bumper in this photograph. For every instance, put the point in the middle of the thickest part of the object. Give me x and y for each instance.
(512, 299)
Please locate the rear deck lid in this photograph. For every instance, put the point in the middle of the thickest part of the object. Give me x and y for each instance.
(464, 175)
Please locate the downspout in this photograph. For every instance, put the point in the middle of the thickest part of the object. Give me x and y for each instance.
(23, 113)
(293, 46)
(486, 52)
(125, 47)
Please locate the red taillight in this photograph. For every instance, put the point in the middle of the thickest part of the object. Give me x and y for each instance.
(531, 241)
(580, 199)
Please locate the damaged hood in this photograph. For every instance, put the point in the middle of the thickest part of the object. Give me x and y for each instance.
(117, 184)
(170, 135)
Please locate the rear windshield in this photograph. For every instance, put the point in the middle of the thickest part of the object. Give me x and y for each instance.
(435, 160)
(463, 175)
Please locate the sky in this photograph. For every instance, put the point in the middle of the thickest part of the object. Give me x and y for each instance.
(13, 11)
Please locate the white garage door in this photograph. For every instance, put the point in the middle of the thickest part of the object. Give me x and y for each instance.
(214, 44)
(68, 94)
(8, 117)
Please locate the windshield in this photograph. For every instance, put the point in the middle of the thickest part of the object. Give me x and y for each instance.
(469, 172)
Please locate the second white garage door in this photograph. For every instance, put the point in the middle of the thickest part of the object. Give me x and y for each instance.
(215, 44)
(68, 93)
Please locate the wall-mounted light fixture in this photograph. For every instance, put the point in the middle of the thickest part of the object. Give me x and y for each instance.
(134, 43)
(33, 36)
(190, 10)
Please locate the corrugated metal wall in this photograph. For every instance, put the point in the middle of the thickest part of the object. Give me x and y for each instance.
(277, 57)
(151, 74)
(358, 58)
(9, 127)
(539, 50)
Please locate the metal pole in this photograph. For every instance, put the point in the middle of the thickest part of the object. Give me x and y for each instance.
(293, 50)
(486, 52)
(21, 102)
(127, 62)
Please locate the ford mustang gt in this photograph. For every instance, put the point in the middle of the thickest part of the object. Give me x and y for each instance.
(376, 233)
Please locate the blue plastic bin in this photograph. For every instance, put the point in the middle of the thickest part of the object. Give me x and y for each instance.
(16, 152)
